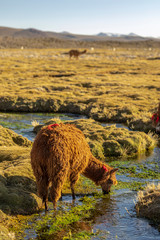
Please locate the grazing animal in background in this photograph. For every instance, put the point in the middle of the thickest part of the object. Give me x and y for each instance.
(60, 151)
(156, 120)
(76, 53)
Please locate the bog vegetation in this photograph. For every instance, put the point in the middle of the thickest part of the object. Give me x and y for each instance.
(109, 85)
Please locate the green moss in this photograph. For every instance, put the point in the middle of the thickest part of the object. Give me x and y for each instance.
(14, 125)
(112, 148)
(134, 185)
(137, 170)
(64, 220)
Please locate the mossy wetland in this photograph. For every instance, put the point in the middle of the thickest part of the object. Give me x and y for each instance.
(110, 95)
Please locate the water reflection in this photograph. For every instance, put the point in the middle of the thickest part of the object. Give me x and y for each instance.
(122, 223)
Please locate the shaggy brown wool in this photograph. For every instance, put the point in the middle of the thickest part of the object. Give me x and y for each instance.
(60, 151)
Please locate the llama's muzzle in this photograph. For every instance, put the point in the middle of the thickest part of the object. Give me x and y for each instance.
(105, 192)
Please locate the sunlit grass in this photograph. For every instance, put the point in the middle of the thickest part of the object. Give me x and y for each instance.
(121, 85)
(148, 203)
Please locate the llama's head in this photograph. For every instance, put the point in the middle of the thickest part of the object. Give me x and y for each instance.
(108, 179)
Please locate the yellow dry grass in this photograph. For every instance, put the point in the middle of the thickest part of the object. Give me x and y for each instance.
(119, 85)
(148, 204)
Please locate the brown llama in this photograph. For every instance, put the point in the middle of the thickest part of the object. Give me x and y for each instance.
(76, 53)
(60, 151)
(156, 119)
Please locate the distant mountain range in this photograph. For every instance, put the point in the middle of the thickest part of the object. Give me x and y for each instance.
(34, 38)
(34, 33)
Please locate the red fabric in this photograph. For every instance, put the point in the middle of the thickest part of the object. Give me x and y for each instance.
(155, 115)
(53, 125)
(106, 170)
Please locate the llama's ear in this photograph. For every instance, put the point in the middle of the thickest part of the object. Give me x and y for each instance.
(113, 170)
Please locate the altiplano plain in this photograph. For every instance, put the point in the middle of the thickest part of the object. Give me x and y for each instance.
(111, 85)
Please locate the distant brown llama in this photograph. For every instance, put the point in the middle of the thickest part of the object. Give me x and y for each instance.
(156, 119)
(76, 53)
(60, 151)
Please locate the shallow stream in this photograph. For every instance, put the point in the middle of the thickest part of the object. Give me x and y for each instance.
(114, 217)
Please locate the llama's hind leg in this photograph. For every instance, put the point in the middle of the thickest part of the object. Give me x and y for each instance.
(43, 185)
(73, 193)
(56, 188)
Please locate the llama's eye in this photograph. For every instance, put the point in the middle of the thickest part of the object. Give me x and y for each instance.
(110, 181)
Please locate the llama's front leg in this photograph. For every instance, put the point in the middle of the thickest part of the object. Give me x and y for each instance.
(45, 202)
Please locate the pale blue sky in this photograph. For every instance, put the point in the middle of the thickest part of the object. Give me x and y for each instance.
(83, 16)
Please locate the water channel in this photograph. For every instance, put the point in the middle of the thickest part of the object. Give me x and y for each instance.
(115, 216)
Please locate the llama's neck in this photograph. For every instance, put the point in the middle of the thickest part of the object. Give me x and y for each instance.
(94, 170)
(82, 52)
